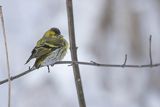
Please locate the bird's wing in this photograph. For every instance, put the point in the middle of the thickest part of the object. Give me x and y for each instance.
(45, 46)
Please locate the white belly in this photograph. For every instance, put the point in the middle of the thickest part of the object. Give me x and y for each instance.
(56, 55)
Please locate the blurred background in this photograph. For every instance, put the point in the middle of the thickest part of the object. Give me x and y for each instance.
(106, 30)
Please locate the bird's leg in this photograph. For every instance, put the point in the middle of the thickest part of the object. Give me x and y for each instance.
(52, 65)
(48, 68)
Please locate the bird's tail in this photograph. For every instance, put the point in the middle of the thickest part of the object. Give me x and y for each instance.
(29, 59)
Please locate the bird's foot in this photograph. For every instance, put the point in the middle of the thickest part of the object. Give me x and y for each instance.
(48, 68)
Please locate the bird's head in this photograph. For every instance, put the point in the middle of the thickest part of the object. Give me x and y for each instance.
(55, 30)
(52, 33)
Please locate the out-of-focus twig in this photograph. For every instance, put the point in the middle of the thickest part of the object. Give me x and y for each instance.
(7, 57)
(73, 50)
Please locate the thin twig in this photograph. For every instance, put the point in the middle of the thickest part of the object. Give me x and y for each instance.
(84, 63)
(125, 61)
(150, 49)
(73, 50)
(7, 57)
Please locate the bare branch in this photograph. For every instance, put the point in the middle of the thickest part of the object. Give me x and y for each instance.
(84, 63)
(16, 76)
(7, 57)
(73, 49)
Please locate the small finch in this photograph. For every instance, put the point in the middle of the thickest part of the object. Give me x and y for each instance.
(50, 48)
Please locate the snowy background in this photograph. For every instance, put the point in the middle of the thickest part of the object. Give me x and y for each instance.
(106, 30)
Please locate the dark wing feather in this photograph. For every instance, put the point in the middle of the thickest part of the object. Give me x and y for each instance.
(45, 47)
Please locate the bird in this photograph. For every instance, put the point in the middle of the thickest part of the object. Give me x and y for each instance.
(52, 47)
